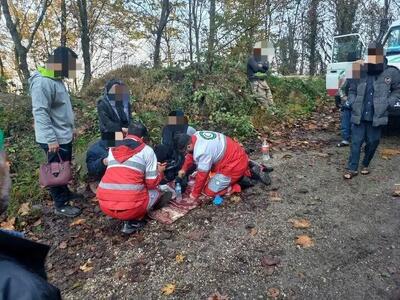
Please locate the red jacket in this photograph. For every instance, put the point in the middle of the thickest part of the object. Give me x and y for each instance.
(131, 172)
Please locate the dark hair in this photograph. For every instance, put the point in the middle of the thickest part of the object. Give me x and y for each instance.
(111, 82)
(137, 128)
(62, 55)
(375, 48)
(181, 140)
(176, 113)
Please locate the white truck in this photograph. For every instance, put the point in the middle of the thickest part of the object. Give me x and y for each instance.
(350, 47)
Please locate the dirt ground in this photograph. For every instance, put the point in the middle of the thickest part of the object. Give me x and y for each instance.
(246, 248)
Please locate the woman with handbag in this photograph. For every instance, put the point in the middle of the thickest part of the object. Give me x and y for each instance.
(54, 126)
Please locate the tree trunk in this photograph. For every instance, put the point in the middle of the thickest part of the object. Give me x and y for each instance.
(196, 25)
(165, 10)
(211, 37)
(63, 21)
(85, 42)
(190, 32)
(21, 52)
(345, 15)
(312, 35)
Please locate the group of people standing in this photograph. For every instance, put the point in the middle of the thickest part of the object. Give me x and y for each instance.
(366, 100)
(125, 172)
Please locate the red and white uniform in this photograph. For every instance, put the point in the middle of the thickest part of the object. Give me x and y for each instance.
(128, 188)
(219, 154)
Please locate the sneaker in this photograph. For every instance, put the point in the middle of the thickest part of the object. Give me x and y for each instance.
(68, 211)
(130, 227)
(343, 144)
(260, 173)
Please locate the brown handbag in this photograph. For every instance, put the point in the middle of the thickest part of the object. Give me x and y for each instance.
(55, 173)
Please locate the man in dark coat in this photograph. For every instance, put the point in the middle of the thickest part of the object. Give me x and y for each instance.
(96, 160)
(370, 99)
(22, 271)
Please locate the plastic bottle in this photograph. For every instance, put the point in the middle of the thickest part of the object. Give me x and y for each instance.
(265, 151)
(218, 200)
(178, 191)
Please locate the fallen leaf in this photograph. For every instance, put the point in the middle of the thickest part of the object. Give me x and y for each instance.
(24, 209)
(267, 261)
(168, 289)
(37, 223)
(312, 127)
(274, 196)
(78, 222)
(300, 223)
(217, 296)
(63, 245)
(304, 241)
(386, 153)
(236, 199)
(119, 274)
(87, 266)
(324, 155)
(179, 258)
(273, 293)
(253, 231)
(9, 224)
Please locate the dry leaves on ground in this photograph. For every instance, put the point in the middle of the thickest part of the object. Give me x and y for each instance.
(300, 223)
(9, 224)
(236, 199)
(24, 209)
(253, 231)
(63, 245)
(78, 222)
(274, 196)
(87, 266)
(179, 258)
(387, 153)
(304, 241)
(273, 293)
(396, 192)
(37, 223)
(217, 296)
(168, 289)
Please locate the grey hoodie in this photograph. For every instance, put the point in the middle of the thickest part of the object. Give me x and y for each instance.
(52, 110)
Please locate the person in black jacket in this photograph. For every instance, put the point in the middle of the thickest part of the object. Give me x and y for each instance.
(166, 151)
(22, 271)
(114, 109)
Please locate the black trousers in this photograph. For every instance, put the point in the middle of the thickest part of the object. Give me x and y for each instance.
(59, 194)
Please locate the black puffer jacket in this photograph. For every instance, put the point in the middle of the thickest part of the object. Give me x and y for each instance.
(109, 120)
(386, 95)
(22, 273)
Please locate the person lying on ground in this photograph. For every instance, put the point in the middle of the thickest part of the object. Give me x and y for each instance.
(22, 269)
(370, 99)
(54, 119)
(177, 123)
(5, 180)
(128, 189)
(96, 162)
(114, 108)
(214, 153)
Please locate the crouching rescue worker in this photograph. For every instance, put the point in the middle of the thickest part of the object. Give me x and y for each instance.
(128, 189)
(216, 154)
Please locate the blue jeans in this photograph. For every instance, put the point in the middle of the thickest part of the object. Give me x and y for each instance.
(369, 134)
(59, 194)
(345, 123)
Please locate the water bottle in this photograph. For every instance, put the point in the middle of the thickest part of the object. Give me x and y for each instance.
(265, 151)
(178, 191)
(218, 200)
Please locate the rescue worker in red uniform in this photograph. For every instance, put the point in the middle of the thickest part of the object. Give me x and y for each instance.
(128, 189)
(217, 154)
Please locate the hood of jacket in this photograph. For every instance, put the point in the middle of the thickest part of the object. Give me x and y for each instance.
(128, 148)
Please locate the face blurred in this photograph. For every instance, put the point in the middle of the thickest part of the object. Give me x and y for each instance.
(118, 92)
(375, 56)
